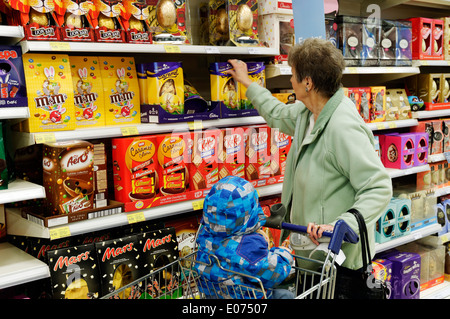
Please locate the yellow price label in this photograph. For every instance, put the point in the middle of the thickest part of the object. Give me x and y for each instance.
(60, 46)
(135, 217)
(196, 125)
(197, 205)
(380, 126)
(392, 124)
(172, 49)
(41, 138)
(352, 70)
(60, 232)
(130, 130)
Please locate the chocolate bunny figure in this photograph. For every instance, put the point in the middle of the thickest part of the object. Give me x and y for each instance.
(50, 86)
(83, 86)
(121, 83)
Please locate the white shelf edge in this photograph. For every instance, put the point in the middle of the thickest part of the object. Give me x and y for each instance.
(393, 173)
(419, 63)
(414, 235)
(441, 291)
(99, 47)
(18, 267)
(11, 34)
(283, 69)
(150, 128)
(19, 190)
(392, 124)
(431, 114)
(17, 225)
(21, 112)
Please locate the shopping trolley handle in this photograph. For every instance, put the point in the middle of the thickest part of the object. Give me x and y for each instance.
(341, 231)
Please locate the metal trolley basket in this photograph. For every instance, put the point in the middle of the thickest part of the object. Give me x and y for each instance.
(179, 279)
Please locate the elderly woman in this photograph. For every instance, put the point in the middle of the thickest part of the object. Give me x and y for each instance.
(332, 165)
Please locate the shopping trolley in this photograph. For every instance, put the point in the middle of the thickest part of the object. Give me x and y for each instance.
(180, 280)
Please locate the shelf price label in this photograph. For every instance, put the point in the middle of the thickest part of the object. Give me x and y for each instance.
(41, 138)
(135, 217)
(60, 46)
(172, 49)
(197, 205)
(196, 125)
(130, 130)
(59, 232)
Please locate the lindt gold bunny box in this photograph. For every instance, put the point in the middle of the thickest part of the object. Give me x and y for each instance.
(50, 93)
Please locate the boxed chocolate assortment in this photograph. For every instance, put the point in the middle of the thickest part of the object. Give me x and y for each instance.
(159, 248)
(74, 272)
(12, 78)
(120, 263)
(75, 21)
(166, 96)
(68, 176)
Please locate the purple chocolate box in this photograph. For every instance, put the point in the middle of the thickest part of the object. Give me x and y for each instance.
(405, 275)
(13, 91)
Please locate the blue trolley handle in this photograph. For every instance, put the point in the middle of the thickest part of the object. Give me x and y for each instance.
(341, 232)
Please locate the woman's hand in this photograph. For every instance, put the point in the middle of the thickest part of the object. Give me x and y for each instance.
(315, 231)
(239, 72)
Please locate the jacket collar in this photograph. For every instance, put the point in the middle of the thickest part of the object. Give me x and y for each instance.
(325, 115)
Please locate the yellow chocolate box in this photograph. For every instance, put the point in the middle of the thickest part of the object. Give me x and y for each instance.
(50, 93)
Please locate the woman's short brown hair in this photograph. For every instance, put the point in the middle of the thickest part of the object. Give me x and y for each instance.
(320, 60)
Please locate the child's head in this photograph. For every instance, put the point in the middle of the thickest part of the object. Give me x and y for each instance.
(232, 208)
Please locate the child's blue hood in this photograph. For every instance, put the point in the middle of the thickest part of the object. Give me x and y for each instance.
(232, 208)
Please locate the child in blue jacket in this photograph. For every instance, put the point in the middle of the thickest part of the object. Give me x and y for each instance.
(232, 218)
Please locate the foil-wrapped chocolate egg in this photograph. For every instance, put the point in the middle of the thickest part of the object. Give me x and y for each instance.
(244, 17)
(73, 20)
(222, 21)
(106, 22)
(38, 17)
(136, 24)
(166, 13)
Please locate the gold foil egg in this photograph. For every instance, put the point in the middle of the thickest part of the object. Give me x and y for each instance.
(136, 24)
(244, 17)
(38, 17)
(106, 22)
(166, 13)
(73, 20)
(222, 21)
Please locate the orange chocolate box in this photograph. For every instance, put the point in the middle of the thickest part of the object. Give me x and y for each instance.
(173, 159)
(135, 168)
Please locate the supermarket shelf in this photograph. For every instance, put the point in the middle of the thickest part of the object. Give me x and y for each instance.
(431, 114)
(439, 4)
(414, 235)
(17, 225)
(98, 47)
(17, 267)
(441, 291)
(118, 131)
(393, 173)
(392, 124)
(14, 113)
(419, 63)
(11, 34)
(283, 69)
(19, 190)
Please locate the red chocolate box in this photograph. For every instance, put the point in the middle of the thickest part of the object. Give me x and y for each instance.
(257, 149)
(232, 153)
(204, 168)
(135, 168)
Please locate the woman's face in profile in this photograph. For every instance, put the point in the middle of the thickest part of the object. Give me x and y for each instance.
(299, 87)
